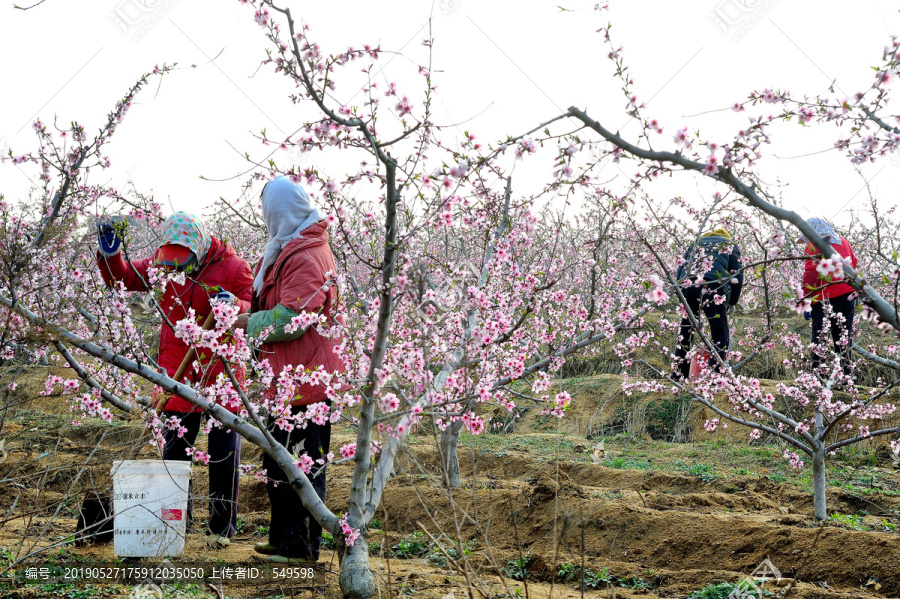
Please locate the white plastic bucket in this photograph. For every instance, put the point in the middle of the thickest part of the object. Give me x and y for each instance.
(150, 505)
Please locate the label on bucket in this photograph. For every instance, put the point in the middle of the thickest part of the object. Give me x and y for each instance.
(169, 514)
(150, 505)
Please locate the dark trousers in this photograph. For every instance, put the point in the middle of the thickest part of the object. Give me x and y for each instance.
(717, 315)
(842, 308)
(224, 456)
(292, 529)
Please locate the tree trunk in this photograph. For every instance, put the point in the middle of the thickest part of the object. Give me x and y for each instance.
(819, 482)
(819, 471)
(356, 578)
(449, 455)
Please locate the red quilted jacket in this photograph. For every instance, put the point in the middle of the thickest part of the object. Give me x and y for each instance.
(812, 279)
(296, 281)
(223, 268)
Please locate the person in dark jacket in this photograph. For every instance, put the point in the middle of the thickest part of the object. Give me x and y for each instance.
(212, 268)
(838, 296)
(713, 292)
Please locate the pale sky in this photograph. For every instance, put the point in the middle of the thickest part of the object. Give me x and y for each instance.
(501, 68)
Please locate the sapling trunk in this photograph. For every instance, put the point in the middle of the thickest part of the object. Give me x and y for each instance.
(449, 456)
(819, 482)
(819, 470)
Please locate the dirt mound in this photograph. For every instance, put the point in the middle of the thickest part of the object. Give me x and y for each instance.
(659, 530)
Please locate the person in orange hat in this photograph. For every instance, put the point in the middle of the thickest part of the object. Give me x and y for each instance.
(211, 267)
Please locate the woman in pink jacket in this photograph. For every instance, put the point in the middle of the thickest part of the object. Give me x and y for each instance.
(838, 296)
(295, 275)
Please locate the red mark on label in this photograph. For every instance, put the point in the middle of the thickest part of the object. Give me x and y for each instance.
(169, 515)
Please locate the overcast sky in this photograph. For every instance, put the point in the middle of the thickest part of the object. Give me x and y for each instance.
(501, 68)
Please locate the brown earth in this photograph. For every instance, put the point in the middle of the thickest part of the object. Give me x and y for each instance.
(543, 498)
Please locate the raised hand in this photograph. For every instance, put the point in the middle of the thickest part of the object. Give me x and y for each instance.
(109, 235)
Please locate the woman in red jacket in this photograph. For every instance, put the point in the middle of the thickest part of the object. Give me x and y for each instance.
(822, 289)
(295, 275)
(210, 267)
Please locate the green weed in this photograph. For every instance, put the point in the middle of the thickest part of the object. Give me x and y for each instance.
(724, 590)
(851, 521)
(635, 583)
(327, 540)
(626, 464)
(517, 569)
(702, 471)
(413, 546)
(568, 571)
(596, 580)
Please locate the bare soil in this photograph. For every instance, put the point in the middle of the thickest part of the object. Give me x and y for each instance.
(654, 518)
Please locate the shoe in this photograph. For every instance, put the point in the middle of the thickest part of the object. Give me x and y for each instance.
(217, 541)
(291, 561)
(265, 548)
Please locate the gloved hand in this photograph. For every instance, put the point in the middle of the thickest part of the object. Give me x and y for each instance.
(109, 235)
(807, 315)
(225, 297)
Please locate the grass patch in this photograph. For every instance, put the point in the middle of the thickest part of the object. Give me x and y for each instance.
(851, 521)
(702, 471)
(727, 590)
(627, 464)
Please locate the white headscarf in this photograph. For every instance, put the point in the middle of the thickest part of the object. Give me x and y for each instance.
(287, 211)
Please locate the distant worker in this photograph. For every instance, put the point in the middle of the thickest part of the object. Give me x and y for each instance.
(831, 297)
(713, 291)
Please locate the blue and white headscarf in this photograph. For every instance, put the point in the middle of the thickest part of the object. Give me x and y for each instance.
(824, 229)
